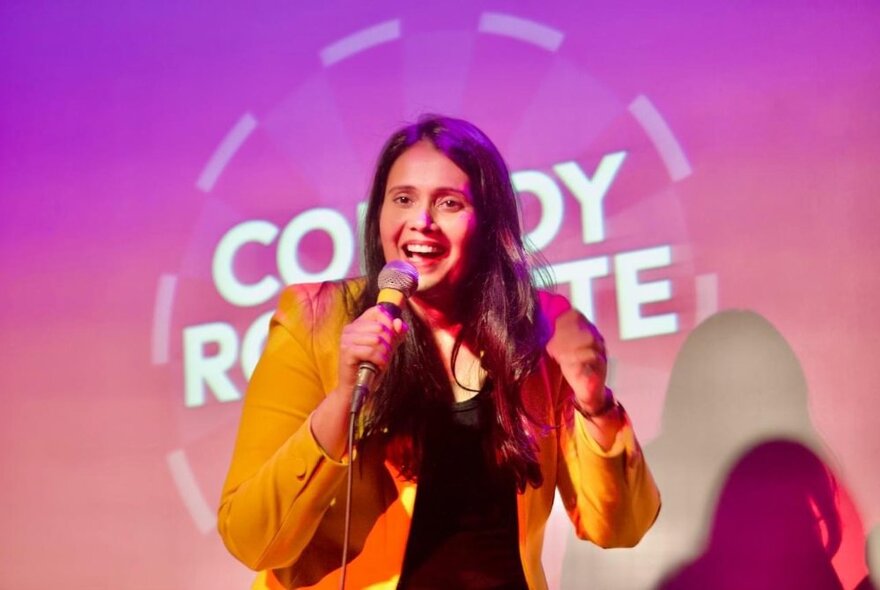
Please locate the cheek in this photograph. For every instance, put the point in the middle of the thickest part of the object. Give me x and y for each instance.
(467, 230)
(389, 230)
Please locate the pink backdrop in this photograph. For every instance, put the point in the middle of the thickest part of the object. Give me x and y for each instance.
(673, 163)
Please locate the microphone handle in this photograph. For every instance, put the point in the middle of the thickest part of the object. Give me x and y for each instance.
(367, 371)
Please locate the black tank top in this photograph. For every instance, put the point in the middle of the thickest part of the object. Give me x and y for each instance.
(464, 527)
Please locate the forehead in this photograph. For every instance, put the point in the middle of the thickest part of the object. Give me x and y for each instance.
(424, 166)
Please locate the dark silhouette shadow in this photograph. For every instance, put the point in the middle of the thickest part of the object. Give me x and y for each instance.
(736, 384)
(776, 526)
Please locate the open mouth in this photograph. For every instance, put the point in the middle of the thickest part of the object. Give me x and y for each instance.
(423, 251)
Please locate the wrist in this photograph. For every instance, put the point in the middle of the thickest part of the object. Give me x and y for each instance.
(608, 404)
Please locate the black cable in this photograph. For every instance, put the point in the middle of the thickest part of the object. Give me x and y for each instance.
(348, 487)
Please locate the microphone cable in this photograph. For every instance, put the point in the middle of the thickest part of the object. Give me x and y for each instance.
(348, 486)
(397, 281)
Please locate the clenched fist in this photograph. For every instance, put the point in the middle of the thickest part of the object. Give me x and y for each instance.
(579, 348)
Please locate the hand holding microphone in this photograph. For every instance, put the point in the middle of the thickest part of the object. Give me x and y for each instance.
(365, 348)
(369, 341)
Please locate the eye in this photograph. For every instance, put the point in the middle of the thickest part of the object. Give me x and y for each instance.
(449, 204)
(402, 199)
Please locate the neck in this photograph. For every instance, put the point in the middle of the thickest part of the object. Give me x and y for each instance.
(438, 316)
(466, 374)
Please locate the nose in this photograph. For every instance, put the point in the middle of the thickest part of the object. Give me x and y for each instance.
(422, 219)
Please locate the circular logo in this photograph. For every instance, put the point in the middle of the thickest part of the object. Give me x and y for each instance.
(282, 198)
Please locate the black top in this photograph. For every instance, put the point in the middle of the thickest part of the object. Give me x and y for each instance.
(464, 527)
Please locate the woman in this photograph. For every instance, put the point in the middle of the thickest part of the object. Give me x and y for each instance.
(492, 396)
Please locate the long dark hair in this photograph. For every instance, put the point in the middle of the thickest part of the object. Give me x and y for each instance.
(500, 316)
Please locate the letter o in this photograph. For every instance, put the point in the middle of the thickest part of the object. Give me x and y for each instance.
(229, 287)
(336, 226)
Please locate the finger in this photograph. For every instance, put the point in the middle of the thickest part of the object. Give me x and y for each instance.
(583, 354)
(358, 354)
(585, 326)
(400, 327)
(371, 335)
(369, 341)
(355, 354)
(378, 314)
(369, 329)
(585, 371)
(585, 366)
(366, 326)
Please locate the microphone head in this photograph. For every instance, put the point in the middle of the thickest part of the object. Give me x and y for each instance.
(400, 276)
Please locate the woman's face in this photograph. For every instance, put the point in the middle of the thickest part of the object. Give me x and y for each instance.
(427, 217)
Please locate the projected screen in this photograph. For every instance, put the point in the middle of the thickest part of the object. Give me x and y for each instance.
(699, 181)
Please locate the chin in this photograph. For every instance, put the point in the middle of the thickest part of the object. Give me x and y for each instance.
(437, 289)
(426, 286)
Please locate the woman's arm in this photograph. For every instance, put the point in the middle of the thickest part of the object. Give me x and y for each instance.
(289, 457)
(280, 480)
(602, 476)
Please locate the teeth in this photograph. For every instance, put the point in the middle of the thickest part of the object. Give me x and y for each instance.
(422, 249)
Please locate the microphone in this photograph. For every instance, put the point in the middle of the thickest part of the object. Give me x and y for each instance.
(397, 281)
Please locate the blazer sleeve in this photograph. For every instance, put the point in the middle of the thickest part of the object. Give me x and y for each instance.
(280, 481)
(610, 496)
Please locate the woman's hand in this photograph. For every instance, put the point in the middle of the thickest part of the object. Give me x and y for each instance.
(372, 337)
(579, 349)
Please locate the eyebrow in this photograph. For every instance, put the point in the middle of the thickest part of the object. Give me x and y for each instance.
(442, 189)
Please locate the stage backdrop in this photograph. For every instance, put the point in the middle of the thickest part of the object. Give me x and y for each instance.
(701, 178)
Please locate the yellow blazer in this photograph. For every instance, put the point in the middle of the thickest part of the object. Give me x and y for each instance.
(283, 503)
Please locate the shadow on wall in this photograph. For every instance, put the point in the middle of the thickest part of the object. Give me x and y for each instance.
(735, 385)
(776, 525)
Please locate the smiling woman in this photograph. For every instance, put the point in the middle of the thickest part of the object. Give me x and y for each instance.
(492, 397)
(428, 217)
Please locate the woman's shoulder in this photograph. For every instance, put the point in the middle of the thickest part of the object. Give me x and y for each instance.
(315, 303)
